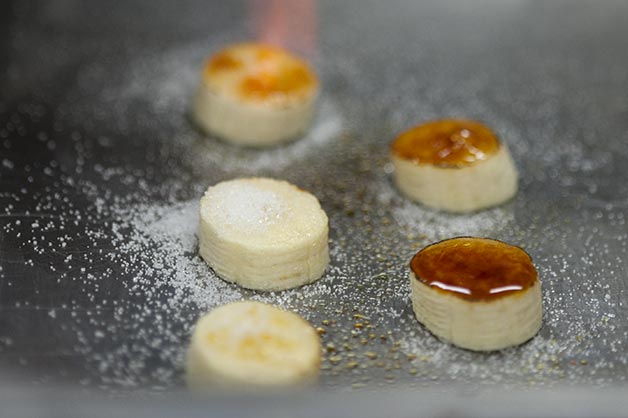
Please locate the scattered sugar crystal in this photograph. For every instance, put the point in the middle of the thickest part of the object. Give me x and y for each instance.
(129, 232)
(243, 206)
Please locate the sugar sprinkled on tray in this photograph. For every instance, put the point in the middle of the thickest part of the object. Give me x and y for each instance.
(135, 284)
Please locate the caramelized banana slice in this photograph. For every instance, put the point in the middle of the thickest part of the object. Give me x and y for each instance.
(256, 95)
(454, 165)
(476, 293)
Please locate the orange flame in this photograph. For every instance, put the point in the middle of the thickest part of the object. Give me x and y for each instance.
(290, 24)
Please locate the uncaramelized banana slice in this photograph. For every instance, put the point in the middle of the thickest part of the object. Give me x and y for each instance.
(252, 344)
(263, 234)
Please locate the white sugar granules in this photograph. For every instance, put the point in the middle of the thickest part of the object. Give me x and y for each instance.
(111, 231)
(165, 236)
(326, 127)
(148, 254)
(242, 206)
(421, 221)
(165, 83)
(156, 252)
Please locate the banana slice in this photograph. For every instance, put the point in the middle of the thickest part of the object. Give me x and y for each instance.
(455, 165)
(263, 234)
(252, 344)
(257, 95)
(479, 294)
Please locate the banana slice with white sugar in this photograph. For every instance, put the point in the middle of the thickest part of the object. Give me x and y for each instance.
(252, 344)
(479, 294)
(263, 234)
(453, 164)
(256, 95)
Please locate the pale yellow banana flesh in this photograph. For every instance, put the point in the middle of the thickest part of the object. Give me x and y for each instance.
(250, 124)
(263, 234)
(478, 186)
(256, 95)
(478, 325)
(246, 344)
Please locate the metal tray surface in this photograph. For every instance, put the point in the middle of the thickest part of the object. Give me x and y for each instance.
(101, 171)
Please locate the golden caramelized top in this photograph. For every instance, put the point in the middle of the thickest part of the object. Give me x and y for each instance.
(474, 268)
(258, 72)
(446, 143)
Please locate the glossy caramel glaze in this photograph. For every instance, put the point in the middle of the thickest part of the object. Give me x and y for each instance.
(474, 268)
(288, 80)
(260, 72)
(223, 61)
(446, 143)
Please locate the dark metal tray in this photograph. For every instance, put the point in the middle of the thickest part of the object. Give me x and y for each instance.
(101, 171)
